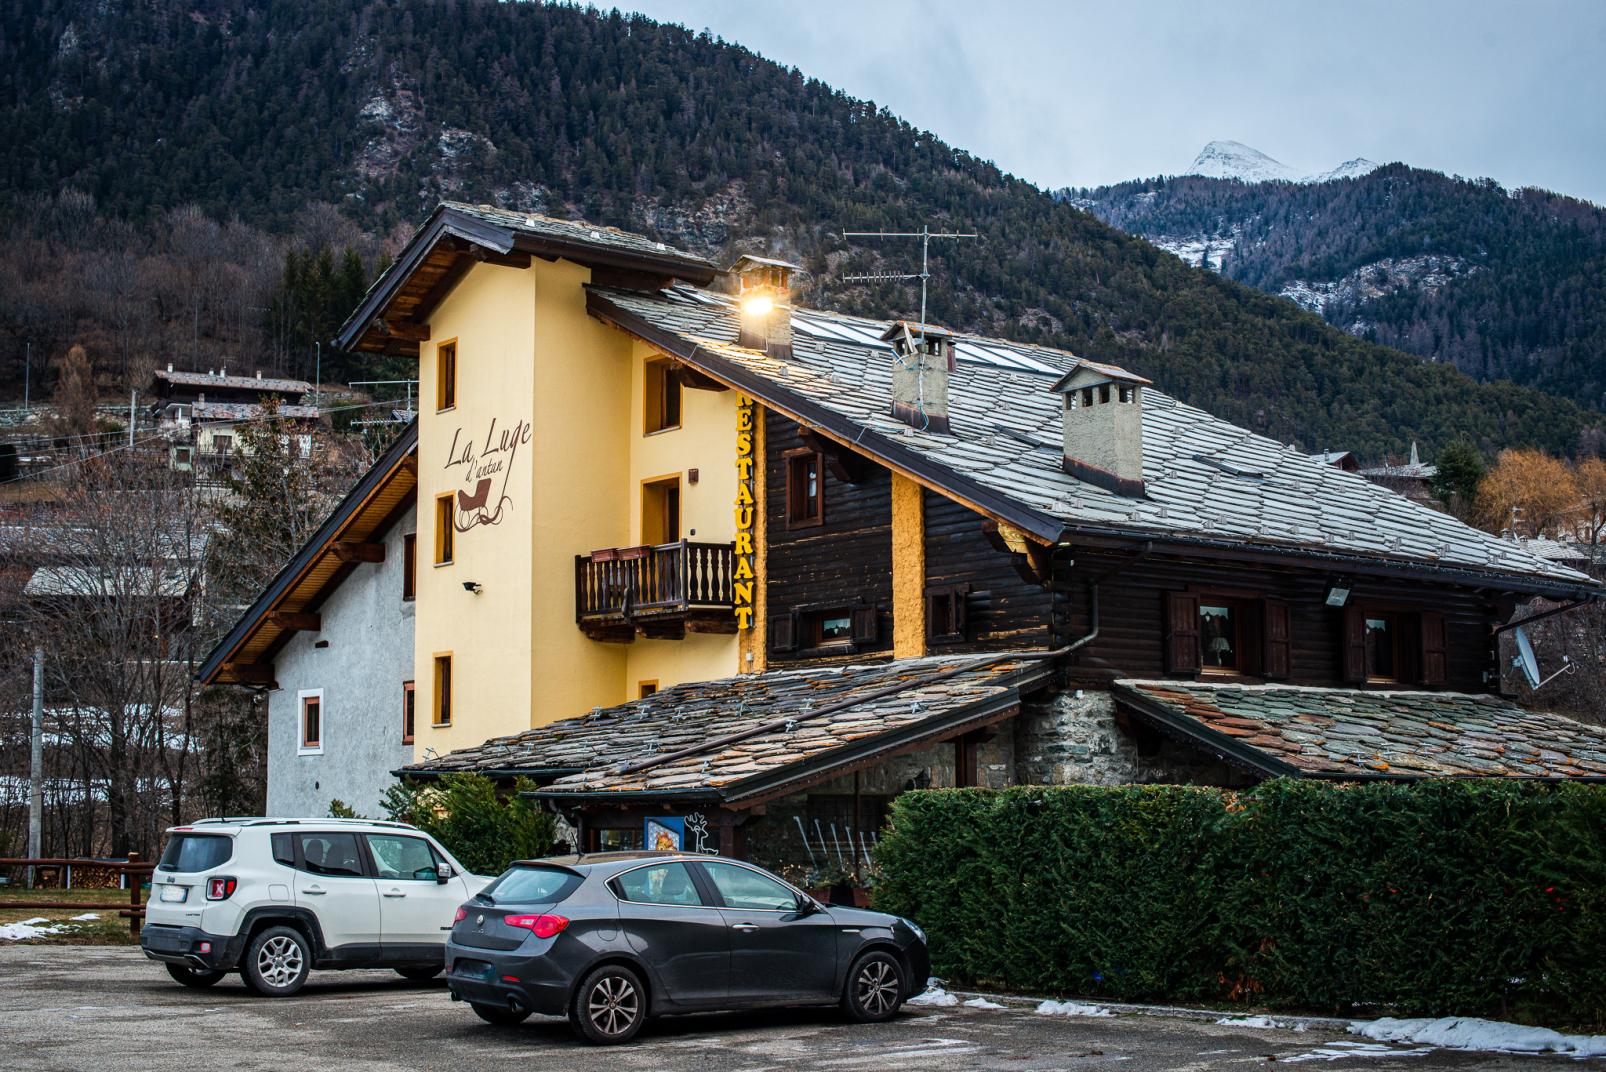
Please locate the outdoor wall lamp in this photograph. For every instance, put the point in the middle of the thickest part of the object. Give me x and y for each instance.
(1338, 593)
(473, 587)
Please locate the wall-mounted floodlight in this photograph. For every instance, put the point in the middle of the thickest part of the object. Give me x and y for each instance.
(1338, 593)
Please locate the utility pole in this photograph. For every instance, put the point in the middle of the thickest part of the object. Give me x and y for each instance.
(27, 374)
(36, 763)
(317, 387)
(133, 399)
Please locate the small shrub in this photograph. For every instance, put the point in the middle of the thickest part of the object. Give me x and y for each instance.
(486, 830)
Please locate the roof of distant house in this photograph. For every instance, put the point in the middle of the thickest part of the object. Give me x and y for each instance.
(245, 411)
(747, 738)
(205, 380)
(1290, 730)
(1207, 483)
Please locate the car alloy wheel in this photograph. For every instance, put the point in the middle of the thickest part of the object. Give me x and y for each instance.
(609, 1006)
(875, 988)
(279, 961)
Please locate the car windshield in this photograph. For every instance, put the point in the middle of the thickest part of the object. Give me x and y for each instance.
(189, 853)
(533, 884)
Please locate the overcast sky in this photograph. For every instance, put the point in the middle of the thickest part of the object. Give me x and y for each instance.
(1082, 94)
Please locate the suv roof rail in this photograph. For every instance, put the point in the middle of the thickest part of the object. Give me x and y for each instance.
(258, 820)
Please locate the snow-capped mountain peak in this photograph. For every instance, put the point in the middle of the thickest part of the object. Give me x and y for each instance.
(1235, 160)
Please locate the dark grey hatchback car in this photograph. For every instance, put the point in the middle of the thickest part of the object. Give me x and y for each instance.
(610, 939)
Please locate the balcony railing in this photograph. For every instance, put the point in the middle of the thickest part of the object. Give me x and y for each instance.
(660, 589)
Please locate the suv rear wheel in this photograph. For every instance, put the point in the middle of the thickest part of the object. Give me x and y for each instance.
(609, 1006)
(875, 988)
(198, 978)
(277, 962)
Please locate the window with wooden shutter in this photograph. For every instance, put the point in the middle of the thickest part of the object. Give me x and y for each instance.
(1354, 644)
(1277, 659)
(866, 625)
(783, 632)
(1182, 633)
(946, 617)
(1435, 655)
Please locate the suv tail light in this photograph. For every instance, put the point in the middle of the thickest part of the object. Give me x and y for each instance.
(462, 914)
(544, 926)
(220, 889)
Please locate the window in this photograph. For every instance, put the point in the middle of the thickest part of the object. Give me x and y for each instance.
(645, 689)
(443, 690)
(831, 628)
(443, 529)
(330, 854)
(311, 704)
(828, 628)
(740, 887)
(410, 566)
(660, 510)
(284, 851)
(409, 712)
(222, 444)
(619, 839)
(659, 884)
(409, 859)
(1383, 662)
(946, 607)
(446, 376)
(189, 853)
(1221, 645)
(804, 498)
(661, 404)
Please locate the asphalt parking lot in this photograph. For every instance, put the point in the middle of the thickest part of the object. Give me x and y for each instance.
(85, 1007)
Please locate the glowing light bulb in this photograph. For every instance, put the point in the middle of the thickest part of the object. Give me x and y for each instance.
(758, 304)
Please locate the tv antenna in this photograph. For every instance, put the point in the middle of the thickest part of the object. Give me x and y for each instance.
(925, 234)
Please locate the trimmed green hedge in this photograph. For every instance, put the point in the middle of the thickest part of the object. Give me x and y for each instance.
(1431, 898)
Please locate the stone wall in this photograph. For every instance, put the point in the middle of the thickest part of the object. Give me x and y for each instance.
(1075, 738)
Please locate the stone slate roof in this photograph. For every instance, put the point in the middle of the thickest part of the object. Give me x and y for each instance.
(576, 231)
(244, 411)
(862, 711)
(267, 385)
(1353, 733)
(1207, 482)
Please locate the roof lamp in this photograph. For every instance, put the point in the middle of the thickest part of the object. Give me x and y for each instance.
(1338, 593)
(757, 303)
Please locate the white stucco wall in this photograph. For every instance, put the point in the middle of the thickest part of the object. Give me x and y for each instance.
(369, 630)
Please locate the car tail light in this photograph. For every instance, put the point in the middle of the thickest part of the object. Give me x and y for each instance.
(204, 947)
(544, 926)
(462, 914)
(220, 889)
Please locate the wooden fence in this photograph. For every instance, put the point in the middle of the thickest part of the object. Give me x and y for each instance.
(134, 873)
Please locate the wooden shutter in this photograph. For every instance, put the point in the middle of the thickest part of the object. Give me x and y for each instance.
(1354, 644)
(961, 610)
(1278, 659)
(1434, 657)
(783, 632)
(866, 625)
(1182, 633)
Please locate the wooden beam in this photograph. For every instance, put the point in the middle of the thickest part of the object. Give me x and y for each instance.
(845, 465)
(409, 464)
(296, 620)
(355, 551)
(401, 329)
(442, 287)
(696, 380)
(251, 673)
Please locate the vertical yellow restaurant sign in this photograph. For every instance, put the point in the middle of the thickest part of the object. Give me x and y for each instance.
(745, 505)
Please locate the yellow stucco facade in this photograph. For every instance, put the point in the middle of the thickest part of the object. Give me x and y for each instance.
(544, 456)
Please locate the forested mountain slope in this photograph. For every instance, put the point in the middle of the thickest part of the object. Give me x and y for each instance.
(259, 113)
(1503, 285)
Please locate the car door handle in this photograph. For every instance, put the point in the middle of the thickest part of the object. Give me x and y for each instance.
(744, 926)
(395, 893)
(314, 891)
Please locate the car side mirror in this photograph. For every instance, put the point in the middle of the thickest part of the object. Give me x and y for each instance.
(443, 872)
(806, 905)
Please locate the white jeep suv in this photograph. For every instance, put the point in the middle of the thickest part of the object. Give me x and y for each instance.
(275, 898)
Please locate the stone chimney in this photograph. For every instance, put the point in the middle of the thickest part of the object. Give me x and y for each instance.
(764, 298)
(922, 358)
(1103, 426)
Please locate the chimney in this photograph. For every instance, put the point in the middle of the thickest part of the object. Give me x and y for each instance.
(922, 358)
(1103, 426)
(764, 297)
(170, 366)
(259, 374)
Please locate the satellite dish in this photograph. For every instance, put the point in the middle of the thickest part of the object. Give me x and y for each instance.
(1526, 660)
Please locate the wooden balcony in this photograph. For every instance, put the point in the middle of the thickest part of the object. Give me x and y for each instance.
(660, 590)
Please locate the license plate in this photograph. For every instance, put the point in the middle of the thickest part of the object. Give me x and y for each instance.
(172, 894)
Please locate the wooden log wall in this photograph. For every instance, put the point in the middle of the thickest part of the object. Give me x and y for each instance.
(1004, 610)
(1132, 627)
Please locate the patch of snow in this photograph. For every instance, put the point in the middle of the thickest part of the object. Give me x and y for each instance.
(1199, 251)
(1071, 1008)
(1265, 1023)
(1471, 1033)
(982, 1003)
(1376, 280)
(934, 995)
(30, 928)
(1338, 1051)
(86, 917)
(1349, 169)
